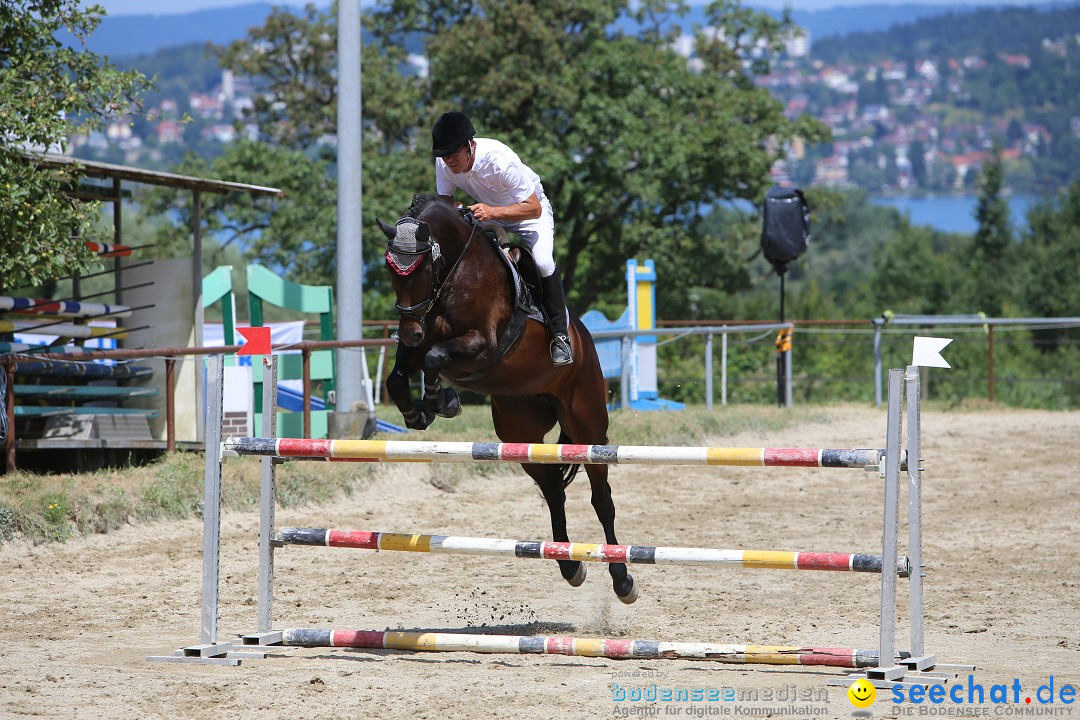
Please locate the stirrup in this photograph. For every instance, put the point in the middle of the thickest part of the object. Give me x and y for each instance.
(561, 354)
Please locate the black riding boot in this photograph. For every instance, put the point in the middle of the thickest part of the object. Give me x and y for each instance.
(555, 307)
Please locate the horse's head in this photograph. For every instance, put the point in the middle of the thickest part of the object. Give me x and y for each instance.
(416, 250)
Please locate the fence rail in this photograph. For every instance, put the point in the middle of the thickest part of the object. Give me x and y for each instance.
(878, 328)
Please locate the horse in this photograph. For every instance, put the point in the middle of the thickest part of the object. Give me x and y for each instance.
(455, 300)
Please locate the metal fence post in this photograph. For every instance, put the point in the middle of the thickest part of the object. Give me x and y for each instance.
(708, 372)
(723, 368)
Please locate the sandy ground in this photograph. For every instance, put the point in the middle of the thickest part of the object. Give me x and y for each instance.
(1001, 534)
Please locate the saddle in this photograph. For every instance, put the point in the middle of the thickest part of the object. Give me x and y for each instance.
(524, 285)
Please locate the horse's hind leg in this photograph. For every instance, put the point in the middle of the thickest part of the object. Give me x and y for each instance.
(526, 420)
(550, 481)
(621, 580)
(584, 420)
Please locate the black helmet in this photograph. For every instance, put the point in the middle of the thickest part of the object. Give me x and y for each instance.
(451, 131)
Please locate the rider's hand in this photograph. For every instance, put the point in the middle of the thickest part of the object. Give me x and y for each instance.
(482, 212)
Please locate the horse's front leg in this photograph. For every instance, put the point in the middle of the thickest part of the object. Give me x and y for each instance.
(437, 399)
(406, 364)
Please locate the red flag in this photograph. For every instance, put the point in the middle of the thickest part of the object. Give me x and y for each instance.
(258, 341)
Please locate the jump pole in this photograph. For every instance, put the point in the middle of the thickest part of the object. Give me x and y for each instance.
(580, 647)
(549, 454)
(586, 552)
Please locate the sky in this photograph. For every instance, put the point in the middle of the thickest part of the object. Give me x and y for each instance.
(179, 7)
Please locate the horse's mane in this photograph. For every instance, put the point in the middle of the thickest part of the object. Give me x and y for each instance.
(422, 201)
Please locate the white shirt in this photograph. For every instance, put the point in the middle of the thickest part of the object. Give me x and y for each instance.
(497, 177)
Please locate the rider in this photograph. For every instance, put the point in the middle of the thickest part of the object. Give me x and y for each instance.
(509, 193)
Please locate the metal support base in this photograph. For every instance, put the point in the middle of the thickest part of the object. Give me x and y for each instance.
(892, 672)
(212, 654)
(272, 637)
(910, 672)
(925, 662)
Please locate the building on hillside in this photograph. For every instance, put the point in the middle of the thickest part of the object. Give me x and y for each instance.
(831, 172)
(169, 131)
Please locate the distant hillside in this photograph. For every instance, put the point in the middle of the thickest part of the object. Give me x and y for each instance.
(953, 34)
(127, 35)
(842, 20)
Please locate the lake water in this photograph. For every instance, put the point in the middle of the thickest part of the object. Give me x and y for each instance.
(953, 213)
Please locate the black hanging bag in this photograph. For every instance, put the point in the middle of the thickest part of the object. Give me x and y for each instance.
(785, 232)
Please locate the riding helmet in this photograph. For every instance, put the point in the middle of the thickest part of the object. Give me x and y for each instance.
(451, 131)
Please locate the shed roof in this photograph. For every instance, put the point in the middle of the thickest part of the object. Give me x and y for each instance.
(92, 168)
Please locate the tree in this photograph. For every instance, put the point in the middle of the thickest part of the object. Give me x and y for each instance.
(1049, 253)
(293, 56)
(992, 249)
(49, 91)
(917, 156)
(629, 138)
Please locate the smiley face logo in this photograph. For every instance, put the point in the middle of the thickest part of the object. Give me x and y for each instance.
(862, 693)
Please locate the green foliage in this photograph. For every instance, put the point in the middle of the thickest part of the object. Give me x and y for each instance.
(867, 260)
(49, 91)
(177, 73)
(993, 242)
(1049, 252)
(9, 522)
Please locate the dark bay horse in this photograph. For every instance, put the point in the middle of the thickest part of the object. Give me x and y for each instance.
(455, 299)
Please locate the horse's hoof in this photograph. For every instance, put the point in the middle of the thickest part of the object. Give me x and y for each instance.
(420, 423)
(449, 405)
(579, 576)
(425, 418)
(631, 596)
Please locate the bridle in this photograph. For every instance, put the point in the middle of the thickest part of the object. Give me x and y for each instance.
(423, 244)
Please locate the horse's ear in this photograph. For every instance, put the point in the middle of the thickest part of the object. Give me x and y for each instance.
(387, 230)
(423, 232)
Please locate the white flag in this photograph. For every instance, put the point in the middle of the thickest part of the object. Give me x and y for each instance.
(926, 352)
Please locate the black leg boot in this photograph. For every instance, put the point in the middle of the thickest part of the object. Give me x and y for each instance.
(555, 307)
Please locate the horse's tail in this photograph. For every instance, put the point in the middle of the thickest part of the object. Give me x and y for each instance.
(569, 472)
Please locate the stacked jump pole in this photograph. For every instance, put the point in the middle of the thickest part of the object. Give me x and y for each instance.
(884, 666)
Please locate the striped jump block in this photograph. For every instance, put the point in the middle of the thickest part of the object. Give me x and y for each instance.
(108, 249)
(67, 330)
(582, 647)
(632, 554)
(69, 368)
(65, 308)
(550, 454)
